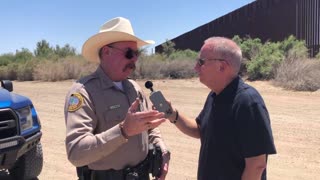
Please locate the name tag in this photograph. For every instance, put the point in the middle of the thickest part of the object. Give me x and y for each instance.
(114, 106)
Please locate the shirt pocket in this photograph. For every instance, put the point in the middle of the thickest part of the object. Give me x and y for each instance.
(114, 115)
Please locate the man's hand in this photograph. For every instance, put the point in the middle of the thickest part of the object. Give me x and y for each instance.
(137, 122)
(165, 165)
(172, 116)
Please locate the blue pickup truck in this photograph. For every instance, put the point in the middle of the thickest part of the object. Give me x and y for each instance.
(20, 134)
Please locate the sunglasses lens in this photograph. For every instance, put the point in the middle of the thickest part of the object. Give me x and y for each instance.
(131, 53)
(200, 62)
(129, 56)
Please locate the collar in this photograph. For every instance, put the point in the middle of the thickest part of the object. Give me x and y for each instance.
(127, 85)
(107, 83)
(229, 92)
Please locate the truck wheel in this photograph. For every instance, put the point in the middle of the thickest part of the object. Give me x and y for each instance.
(29, 165)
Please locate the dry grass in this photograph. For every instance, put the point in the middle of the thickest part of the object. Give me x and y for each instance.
(293, 74)
(154, 67)
(69, 68)
(299, 75)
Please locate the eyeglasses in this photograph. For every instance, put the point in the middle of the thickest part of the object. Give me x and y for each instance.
(201, 61)
(128, 53)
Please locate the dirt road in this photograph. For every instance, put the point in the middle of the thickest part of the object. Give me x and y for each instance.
(295, 120)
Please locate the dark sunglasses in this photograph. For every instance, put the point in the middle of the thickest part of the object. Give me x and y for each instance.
(128, 53)
(201, 61)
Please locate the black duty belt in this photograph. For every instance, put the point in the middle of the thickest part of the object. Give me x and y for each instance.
(152, 164)
(138, 172)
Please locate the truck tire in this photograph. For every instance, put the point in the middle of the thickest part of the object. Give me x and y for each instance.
(29, 165)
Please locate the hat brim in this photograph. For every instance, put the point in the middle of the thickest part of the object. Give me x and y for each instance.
(90, 49)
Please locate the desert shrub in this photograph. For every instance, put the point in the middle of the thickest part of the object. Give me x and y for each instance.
(318, 56)
(300, 75)
(76, 67)
(6, 59)
(263, 65)
(25, 70)
(68, 68)
(179, 69)
(249, 47)
(149, 67)
(20, 56)
(183, 55)
(9, 72)
(22, 64)
(49, 71)
(260, 61)
(294, 48)
(4, 73)
(159, 66)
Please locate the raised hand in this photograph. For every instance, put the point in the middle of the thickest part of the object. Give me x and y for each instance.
(137, 122)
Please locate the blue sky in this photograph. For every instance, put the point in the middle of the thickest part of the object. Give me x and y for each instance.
(24, 23)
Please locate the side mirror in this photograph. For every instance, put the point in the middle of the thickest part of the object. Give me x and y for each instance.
(7, 84)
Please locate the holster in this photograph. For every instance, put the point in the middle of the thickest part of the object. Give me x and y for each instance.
(155, 160)
(84, 173)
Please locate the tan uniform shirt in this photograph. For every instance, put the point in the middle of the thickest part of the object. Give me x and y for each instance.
(94, 108)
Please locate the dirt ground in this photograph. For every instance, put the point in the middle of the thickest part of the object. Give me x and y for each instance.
(295, 120)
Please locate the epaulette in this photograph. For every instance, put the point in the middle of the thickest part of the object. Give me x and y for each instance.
(86, 79)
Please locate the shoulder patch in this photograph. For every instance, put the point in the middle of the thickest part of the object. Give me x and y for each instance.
(75, 102)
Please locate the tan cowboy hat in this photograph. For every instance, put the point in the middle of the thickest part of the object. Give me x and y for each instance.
(115, 30)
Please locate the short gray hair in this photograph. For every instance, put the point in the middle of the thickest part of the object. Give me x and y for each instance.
(227, 49)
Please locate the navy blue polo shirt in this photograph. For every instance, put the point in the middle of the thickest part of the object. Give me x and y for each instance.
(234, 125)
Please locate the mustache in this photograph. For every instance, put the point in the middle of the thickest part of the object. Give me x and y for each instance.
(130, 66)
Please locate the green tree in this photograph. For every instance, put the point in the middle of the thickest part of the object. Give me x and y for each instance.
(6, 59)
(23, 55)
(43, 49)
(168, 48)
(65, 51)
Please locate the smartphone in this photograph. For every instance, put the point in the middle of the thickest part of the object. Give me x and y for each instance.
(160, 103)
